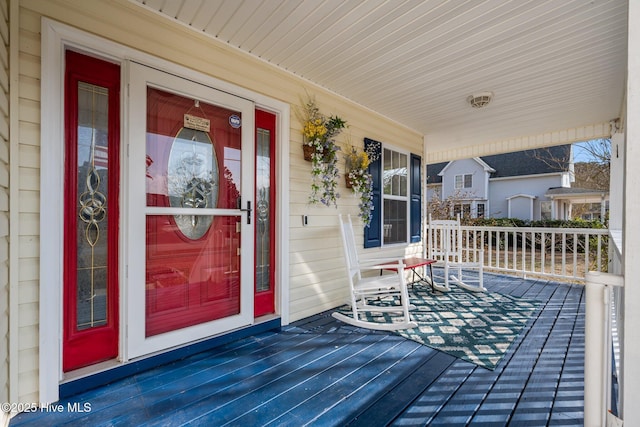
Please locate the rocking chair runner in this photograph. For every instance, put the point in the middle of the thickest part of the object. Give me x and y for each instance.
(365, 289)
(445, 246)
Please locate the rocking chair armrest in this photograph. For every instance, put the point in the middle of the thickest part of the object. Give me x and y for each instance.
(377, 261)
(399, 266)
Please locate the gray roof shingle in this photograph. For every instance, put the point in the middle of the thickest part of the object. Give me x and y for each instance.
(528, 162)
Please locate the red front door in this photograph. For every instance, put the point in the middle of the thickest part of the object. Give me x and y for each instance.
(265, 198)
(193, 155)
(92, 99)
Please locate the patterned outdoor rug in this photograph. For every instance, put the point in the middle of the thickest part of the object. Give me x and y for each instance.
(477, 327)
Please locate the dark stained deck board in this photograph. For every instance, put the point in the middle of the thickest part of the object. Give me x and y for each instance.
(361, 359)
(319, 371)
(223, 384)
(397, 399)
(535, 402)
(468, 404)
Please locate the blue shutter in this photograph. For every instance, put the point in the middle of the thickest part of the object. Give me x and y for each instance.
(373, 233)
(415, 204)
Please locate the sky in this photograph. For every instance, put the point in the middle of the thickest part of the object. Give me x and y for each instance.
(580, 154)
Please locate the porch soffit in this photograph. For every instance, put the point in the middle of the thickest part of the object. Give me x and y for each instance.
(556, 68)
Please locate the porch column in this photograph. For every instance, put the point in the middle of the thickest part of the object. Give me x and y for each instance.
(631, 232)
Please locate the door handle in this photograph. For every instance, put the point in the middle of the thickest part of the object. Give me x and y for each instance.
(248, 211)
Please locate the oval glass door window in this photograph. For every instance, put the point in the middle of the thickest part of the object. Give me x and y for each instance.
(193, 180)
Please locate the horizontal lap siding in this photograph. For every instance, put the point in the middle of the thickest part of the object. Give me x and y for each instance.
(4, 202)
(317, 279)
(29, 204)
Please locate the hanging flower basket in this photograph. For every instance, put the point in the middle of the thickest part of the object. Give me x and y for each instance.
(360, 181)
(320, 149)
(308, 152)
(348, 181)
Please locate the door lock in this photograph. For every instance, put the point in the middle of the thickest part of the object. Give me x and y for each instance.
(248, 211)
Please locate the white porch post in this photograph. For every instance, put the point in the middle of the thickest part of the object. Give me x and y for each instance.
(631, 232)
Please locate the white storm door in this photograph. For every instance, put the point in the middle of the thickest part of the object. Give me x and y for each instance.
(190, 174)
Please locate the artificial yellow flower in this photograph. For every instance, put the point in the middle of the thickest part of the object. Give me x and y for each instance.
(364, 161)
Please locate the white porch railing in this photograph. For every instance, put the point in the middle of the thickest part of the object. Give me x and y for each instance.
(560, 253)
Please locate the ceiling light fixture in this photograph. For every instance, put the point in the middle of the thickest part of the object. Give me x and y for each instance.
(481, 99)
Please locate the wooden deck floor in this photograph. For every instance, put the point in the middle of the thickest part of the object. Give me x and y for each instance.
(321, 372)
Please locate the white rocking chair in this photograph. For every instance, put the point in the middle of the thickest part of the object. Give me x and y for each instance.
(445, 246)
(364, 289)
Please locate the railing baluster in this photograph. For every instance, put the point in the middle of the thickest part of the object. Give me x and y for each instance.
(506, 250)
(553, 254)
(524, 253)
(491, 249)
(533, 251)
(482, 241)
(544, 253)
(587, 238)
(497, 249)
(514, 258)
(563, 266)
(600, 252)
(503, 254)
(575, 254)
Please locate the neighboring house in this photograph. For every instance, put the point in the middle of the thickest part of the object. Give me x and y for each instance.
(529, 185)
(593, 204)
(124, 242)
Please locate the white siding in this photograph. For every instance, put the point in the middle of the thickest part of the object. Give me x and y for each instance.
(316, 273)
(28, 206)
(463, 167)
(4, 201)
(521, 208)
(434, 190)
(500, 189)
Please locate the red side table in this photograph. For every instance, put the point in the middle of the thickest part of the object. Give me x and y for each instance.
(411, 263)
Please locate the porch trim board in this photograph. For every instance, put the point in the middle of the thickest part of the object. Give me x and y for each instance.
(556, 137)
(56, 37)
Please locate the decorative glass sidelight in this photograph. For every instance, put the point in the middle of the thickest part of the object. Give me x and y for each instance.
(93, 169)
(263, 217)
(91, 186)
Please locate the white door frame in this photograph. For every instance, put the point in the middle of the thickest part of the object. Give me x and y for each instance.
(57, 37)
(141, 77)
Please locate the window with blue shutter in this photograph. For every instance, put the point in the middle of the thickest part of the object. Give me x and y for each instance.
(391, 195)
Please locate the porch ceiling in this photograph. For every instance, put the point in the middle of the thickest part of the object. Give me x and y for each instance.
(552, 65)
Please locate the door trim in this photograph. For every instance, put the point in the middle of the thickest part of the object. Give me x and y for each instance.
(56, 37)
